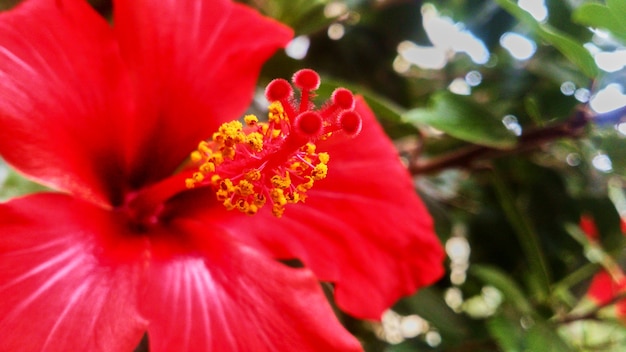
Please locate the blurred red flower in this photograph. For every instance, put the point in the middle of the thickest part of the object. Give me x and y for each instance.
(605, 287)
(107, 115)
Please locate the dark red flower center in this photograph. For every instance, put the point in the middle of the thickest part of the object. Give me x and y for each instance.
(249, 165)
(276, 161)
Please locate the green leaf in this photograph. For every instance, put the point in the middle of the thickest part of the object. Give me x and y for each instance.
(464, 119)
(615, 147)
(389, 116)
(595, 335)
(510, 290)
(618, 8)
(526, 235)
(532, 108)
(570, 48)
(518, 13)
(304, 16)
(429, 304)
(543, 337)
(515, 333)
(14, 185)
(507, 333)
(599, 16)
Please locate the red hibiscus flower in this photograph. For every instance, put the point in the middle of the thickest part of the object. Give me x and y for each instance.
(605, 287)
(108, 115)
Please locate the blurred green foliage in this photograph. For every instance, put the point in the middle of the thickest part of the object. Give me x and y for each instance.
(507, 154)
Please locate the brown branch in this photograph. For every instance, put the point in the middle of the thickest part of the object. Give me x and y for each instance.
(592, 314)
(532, 139)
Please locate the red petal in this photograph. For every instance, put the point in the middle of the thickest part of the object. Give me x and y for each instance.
(363, 227)
(588, 225)
(233, 299)
(620, 308)
(196, 65)
(63, 93)
(367, 230)
(603, 288)
(56, 294)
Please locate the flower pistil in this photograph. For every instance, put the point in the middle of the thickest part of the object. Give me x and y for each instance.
(276, 161)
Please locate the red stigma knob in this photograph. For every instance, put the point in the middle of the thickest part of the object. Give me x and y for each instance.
(350, 122)
(306, 79)
(278, 90)
(343, 98)
(309, 124)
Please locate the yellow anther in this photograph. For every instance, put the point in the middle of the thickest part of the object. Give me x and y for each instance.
(259, 200)
(216, 158)
(320, 172)
(250, 120)
(252, 209)
(293, 197)
(276, 112)
(303, 187)
(196, 156)
(222, 195)
(309, 148)
(244, 188)
(278, 196)
(218, 138)
(235, 139)
(207, 167)
(255, 141)
(229, 134)
(215, 179)
(228, 204)
(227, 185)
(198, 176)
(190, 183)
(231, 128)
(228, 152)
(204, 148)
(278, 210)
(253, 175)
(281, 182)
(243, 206)
(324, 158)
(276, 133)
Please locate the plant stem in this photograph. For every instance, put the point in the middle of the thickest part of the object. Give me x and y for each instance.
(593, 313)
(466, 157)
(526, 235)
